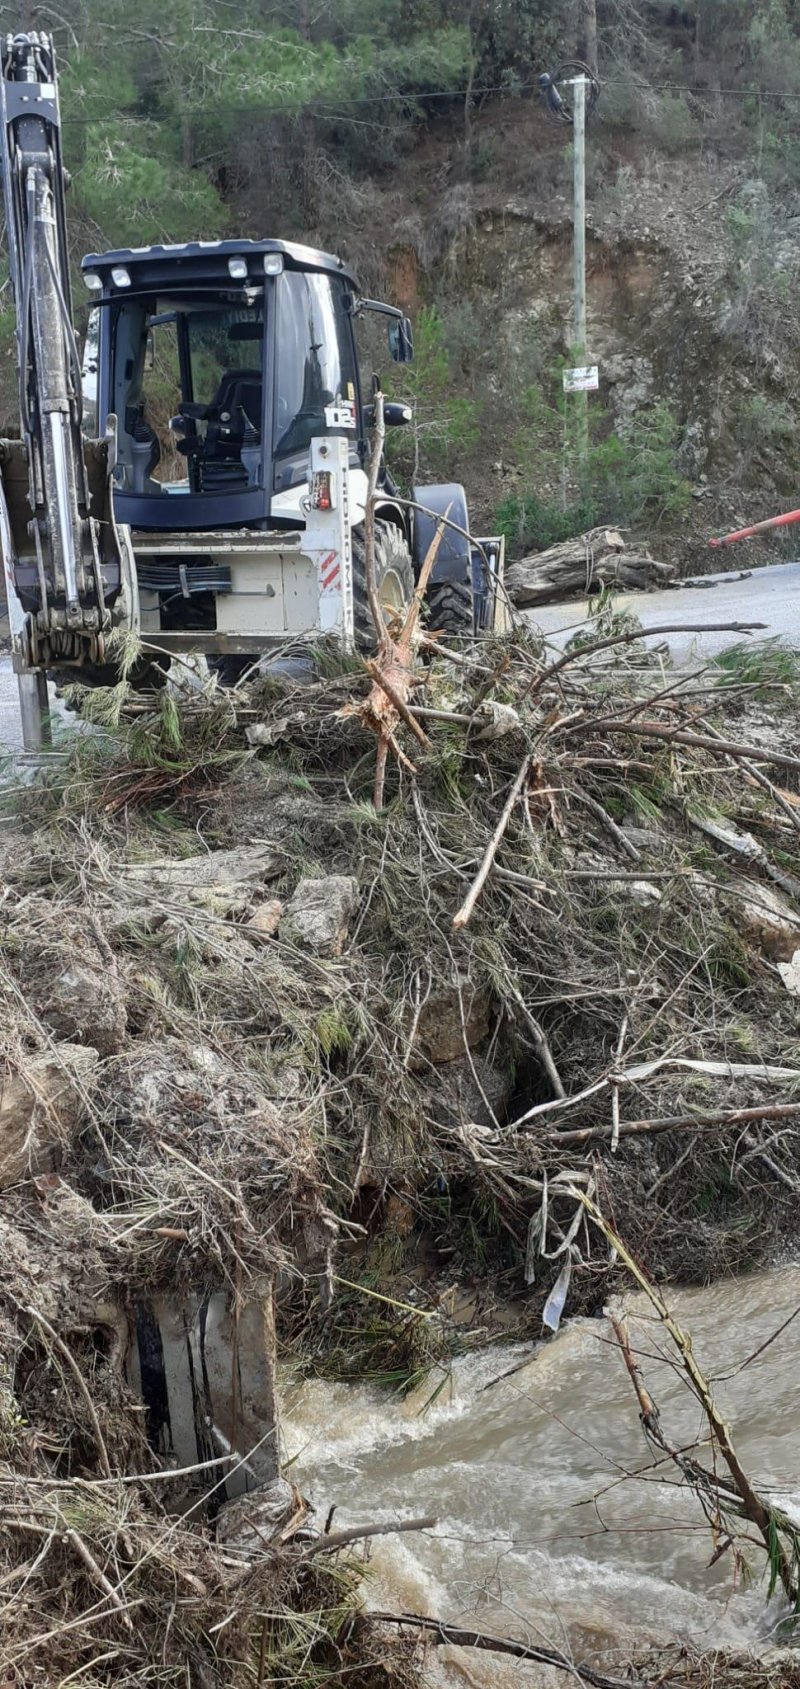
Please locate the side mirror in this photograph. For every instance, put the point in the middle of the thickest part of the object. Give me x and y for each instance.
(395, 414)
(401, 341)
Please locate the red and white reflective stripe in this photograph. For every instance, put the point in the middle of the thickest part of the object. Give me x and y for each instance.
(329, 571)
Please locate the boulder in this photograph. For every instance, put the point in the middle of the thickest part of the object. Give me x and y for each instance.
(319, 913)
(40, 1105)
(475, 1092)
(790, 974)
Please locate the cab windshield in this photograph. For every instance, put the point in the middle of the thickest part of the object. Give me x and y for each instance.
(315, 360)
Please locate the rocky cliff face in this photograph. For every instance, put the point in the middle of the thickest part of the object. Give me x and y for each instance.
(691, 268)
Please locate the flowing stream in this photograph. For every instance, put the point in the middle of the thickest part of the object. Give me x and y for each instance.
(553, 1522)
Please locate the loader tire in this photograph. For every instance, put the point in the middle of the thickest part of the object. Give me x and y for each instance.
(394, 579)
(450, 609)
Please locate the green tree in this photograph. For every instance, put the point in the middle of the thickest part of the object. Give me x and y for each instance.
(445, 423)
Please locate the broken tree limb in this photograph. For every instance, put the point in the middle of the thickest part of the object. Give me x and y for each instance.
(399, 702)
(462, 916)
(98, 1575)
(769, 1521)
(534, 686)
(625, 844)
(682, 736)
(541, 1044)
(724, 1117)
(450, 1635)
(393, 678)
(358, 1533)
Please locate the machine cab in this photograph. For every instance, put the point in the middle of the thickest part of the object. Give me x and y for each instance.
(221, 362)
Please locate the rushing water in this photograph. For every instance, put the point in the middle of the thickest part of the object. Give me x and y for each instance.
(540, 1533)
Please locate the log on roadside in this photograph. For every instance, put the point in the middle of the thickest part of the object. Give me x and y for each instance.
(595, 559)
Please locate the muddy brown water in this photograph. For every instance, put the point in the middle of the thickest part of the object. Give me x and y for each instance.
(553, 1523)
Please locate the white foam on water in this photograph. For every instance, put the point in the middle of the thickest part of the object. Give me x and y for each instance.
(540, 1534)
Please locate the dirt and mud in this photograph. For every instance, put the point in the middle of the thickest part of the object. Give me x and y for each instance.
(262, 1037)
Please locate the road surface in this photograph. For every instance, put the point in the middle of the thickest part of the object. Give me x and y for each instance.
(769, 595)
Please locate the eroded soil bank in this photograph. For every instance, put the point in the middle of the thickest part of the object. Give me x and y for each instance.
(255, 1046)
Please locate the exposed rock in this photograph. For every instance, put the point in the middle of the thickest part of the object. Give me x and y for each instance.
(223, 882)
(645, 838)
(40, 1105)
(766, 918)
(790, 974)
(319, 913)
(83, 1006)
(266, 919)
(477, 1092)
(693, 451)
(452, 1016)
(642, 893)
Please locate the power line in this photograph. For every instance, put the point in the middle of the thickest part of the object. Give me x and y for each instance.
(410, 98)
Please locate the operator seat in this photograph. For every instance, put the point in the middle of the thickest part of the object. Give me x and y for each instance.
(233, 420)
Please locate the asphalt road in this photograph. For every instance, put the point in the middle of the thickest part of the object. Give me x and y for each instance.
(769, 595)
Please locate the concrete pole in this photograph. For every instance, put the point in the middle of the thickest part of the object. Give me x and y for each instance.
(579, 87)
(34, 710)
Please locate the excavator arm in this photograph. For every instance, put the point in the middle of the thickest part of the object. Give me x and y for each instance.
(69, 571)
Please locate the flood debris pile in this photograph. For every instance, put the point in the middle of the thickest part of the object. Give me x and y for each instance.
(265, 1040)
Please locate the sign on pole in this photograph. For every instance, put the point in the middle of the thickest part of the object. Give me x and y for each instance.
(584, 379)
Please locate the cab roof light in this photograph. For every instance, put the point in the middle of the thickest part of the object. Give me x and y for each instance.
(273, 263)
(93, 281)
(120, 276)
(237, 269)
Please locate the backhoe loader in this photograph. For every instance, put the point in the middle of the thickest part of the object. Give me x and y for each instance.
(199, 479)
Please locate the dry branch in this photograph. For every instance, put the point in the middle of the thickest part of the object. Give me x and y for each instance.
(463, 915)
(332, 1540)
(592, 647)
(700, 1122)
(450, 1635)
(769, 1522)
(681, 736)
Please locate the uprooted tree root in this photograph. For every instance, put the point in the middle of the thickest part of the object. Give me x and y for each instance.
(563, 974)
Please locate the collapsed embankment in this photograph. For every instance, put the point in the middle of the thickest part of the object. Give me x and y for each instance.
(262, 1035)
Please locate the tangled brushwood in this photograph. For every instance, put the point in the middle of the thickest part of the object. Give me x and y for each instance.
(258, 1032)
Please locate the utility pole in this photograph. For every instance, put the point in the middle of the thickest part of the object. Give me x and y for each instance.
(581, 81)
(579, 87)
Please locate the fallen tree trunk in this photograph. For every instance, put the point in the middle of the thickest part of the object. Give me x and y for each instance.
(597, 558)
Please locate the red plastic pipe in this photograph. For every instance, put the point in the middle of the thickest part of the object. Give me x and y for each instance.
(759, 528)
